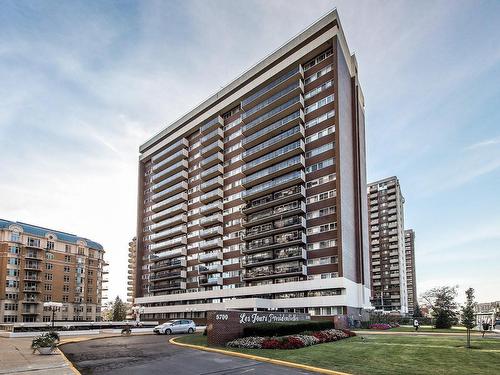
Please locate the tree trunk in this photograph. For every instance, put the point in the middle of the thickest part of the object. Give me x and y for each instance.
(468, 338)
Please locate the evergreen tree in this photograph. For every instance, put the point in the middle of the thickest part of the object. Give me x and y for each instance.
(119, 310)
(443, 305)
(417, 313)
(468, 316)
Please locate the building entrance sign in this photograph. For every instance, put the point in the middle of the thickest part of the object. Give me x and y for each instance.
(224, 326)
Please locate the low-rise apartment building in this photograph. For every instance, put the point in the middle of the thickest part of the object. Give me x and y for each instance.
(40, 265)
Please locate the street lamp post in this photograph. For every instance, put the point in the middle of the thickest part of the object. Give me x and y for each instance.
(138, 310)
(53, 307)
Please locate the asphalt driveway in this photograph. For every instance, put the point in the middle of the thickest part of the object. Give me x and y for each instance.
(152, 354)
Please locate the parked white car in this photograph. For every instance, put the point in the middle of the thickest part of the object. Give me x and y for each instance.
(175, 326)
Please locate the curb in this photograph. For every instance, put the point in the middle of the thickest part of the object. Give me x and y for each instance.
(260, 359)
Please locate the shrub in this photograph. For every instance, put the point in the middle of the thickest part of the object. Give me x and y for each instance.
(382, 326)
(45, 340)
(284, 329)
(271, 344)
(205, 331)
(54, 335)
(246, 343)
(292, 342)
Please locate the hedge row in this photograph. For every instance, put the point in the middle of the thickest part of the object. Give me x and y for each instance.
(283, 329)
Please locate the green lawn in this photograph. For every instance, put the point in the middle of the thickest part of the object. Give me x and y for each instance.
(383, 354)
(423, 329)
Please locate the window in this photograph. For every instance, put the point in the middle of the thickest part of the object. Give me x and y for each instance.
(65, 298)
(67, 258)
(320, 134)
(321, 244)
(66, 288)
(319, 150)
(318, 89)
(318, 74)
(13, 249)
(321, 180)
(50, 245)
(49, 266)
(13, 261)
(67, 248)
(47, 297)
(33, 242)
(320, 165)
(48, 287)
(318, 59)
(49, 256)
(48, 277)
(15, 237)
(319, 104)
(12, 272)
(66, 268)
(321, 196)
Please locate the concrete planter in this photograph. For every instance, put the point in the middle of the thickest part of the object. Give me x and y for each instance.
(45, 351)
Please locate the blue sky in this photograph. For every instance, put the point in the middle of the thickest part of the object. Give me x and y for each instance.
(83, 84)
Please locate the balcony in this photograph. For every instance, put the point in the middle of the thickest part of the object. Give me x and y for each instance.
(168, 244)
(279, 183)
(32, 255)
(177, 188)
(173, 169)
(217, 158)
(211, 256)
(32, 266)
(270, 272)
(168, 275)
(163, 154)
(274, 86)
(31, 289)
(216, 122)
(165, 265)
(212, 184)
(276, 256)
(168, 286)
(30, 300)
(211, 208)
(275, 242)
(30, 312)
(33, 278)
(179, 219)
(35, 244)
(175, 157)
(208, 281)
(169, 202)
(169, 182)
(211, 232)
(212, 268)
(212, 148)
(274, 171)
(212, 136)
(275, 199)
(291, 90)
(276, 156)
(278, 226)
(216, 170)
(181, 229)
(174, 210)
(280, 211)
(283, 110)
(212, 196)
(211, 220)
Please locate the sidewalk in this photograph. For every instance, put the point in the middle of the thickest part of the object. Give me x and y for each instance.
(16, 358)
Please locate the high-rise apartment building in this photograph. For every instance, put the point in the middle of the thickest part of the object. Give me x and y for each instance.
(40, 265)
(411, 277)
(387, 245)
(256, 199)
(132, 272)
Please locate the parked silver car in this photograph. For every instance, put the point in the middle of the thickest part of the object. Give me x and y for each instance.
(175, 326)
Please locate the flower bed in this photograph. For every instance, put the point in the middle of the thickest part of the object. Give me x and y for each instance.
(292, 341)
(383, 326)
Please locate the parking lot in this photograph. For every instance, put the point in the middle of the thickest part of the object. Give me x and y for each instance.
(153, 354)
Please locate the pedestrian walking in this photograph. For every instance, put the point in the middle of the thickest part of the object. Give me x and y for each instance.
(416, 324)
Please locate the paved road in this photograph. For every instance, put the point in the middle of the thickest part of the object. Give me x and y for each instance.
(151, 354)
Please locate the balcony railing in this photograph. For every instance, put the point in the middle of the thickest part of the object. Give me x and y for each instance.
(212, 195)
(273, 272)
(216, 158)
(212, 184)
(206, 281)
(211, 220)
(276, 99)
(175, 263)
(211, 208)
(211, 232)
(280, 255)
(168, 275)
(275, 198)
(282, 110)
(275, 156)
(169, 222)
(176, 156)
(281, 211)
(277, 226)
(296, 162)
(182, 197)
(294, 73)
(212, 268)
(170, 243)
(276, 241)
(167, 286)
(177, 167)
(212, 172)
(275, 184)
(174, 210)
(270, 144)
(211, 148)
(210, 137)
(215, 122)
(182, 229)
(169, 150)
(181, 176)
(211, 256)
(183, 186)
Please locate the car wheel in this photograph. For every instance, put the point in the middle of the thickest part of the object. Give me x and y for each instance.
(168, 332)
(190, 330)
